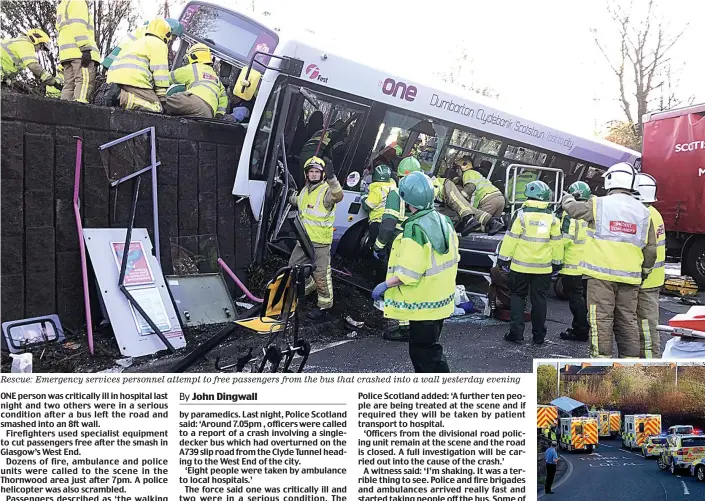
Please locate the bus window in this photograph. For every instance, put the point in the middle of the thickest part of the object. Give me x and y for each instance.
(396, 129)
(263, 137)
(483, 151)
(593, 177)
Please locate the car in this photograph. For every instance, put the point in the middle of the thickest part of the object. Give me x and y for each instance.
(683, 451)
(697, 469)
(654, 446)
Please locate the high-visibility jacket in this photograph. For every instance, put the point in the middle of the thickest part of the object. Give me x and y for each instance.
(533, 243)
(483, 186)
(425, 258)
(76, 30)
(317, 220)
(123, 45)
(613, 251)
(144, 64)
(201, 80)
(17, 54)
(658, 274)
(522, 180)
(376, 199)
(395, 212)
(574, 233)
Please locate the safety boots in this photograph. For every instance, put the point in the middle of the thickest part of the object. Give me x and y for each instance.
(467, 225)
(494, 226)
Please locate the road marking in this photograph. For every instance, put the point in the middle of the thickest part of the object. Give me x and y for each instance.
(685, 488)
(331, 345)
(554, 355)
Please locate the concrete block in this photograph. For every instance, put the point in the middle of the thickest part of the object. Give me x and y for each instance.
(65, 161)
(66, 232)
(168, 155)
(12, 149)
(39, 163)
(12, 255)
(40, 293)
(12, 289)
(69, 307)
(94, 203)
(33, 128)
(39, 250)
(38, 208)
(68, 270)
(12, 214)
(207, 168)
(207, 213)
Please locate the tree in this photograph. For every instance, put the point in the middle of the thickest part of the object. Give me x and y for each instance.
(19, 16)
(642, 56)
(462, 74)
(624, 133)
(546, 384)
(108, 18)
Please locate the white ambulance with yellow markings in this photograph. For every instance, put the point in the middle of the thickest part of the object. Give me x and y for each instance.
(578, 433)
(638, 428)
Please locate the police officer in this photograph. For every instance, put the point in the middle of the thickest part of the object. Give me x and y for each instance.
(574, 233)
(376, 198)
(391, 225)
(487, 201)
(647, 310)
(316, 204)
(619, 253)
(205, 95)
(142, 69)
(19, 53)
(423, 264)
(78, 52)
(534, 248)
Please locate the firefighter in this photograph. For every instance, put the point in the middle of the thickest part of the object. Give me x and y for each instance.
(487, 201)
(142, 69)
(21, 52)
(78, 52)
(534, 249)
(619, 253)
(205, 95)
(376, 198)
(123, 44)
(316, 204)
(392, 219)
(647, 310)
(448, 193)
(574, 233)
(55, 90)
(423, 264)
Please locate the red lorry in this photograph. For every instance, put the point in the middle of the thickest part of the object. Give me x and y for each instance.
(674, 153)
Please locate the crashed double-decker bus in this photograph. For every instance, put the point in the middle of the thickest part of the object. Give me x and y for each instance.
(297, 89)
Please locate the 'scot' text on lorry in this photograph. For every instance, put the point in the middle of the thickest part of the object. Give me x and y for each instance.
(695, 145)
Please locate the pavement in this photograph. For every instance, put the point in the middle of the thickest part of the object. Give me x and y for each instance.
(615, 474)
(471, 344)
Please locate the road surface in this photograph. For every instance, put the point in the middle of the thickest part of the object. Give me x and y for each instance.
(615, 474)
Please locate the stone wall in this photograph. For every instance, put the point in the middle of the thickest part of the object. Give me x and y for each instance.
(40, 251)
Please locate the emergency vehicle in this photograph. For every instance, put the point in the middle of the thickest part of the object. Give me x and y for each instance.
(681, 429)
(603, 422)
(697, 469)
(546, 421)
(674, 153)
(683, 451)
(654, 446)
(638, 427)
(615, 423)
(578, 433)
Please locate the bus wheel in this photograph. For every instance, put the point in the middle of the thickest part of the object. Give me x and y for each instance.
(354, 240)
(695, 262)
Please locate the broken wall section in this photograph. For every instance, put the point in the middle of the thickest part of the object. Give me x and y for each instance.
(41, 271)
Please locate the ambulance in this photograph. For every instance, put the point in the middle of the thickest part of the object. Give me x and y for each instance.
(546, 423)
(615, 423)
(578, 433)
(639, 427)
(603, 422)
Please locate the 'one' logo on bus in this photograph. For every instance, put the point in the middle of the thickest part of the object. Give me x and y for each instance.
(314, 73)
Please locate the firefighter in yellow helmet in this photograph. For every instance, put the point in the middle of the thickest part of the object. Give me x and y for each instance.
(316, 205)
(486, 199)
(19, 53)
(619, 254)
(647, 310)
(204, 96)
(534, 248)
(78, 52)
(420, 283)
(142, 70)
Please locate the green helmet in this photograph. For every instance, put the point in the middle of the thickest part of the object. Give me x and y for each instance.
(537, 190)
(416, 189)
(176, 28)
(382, 173)
(407, 166)
(580, 190)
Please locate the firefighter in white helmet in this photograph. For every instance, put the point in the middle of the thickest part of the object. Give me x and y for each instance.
(619, 255)
(647, 310)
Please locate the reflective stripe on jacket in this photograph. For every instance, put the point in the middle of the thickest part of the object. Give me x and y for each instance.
(76, 30)
(657, 277)
(19, 53)
(317, 220)
(533, 243)
(428, 277)
(483, 186)
(574, 233)
(613, 251)
(144, 65)
(201, 80)
(376, 199)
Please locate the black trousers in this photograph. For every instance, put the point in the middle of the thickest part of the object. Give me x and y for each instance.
(520, 286)
(575, 288)
(425, 350)
(550, 475)
(373, 232)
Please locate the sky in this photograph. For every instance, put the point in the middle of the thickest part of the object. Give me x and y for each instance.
(539, 55)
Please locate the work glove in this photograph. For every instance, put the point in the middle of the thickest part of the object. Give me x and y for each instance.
(328, 169)
(86, 58)
(557, 267)
(379, 290)
(644, 275)
(380, 255)
(50, 82)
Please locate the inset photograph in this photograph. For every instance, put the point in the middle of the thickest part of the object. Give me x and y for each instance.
(616, 430)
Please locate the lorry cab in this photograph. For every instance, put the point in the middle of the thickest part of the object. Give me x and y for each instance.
(578, 433)
(637, 429)
(683, 451)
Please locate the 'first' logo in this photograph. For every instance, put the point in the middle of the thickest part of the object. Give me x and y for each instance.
(314, 73)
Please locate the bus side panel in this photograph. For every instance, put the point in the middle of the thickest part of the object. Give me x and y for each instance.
(674, 153)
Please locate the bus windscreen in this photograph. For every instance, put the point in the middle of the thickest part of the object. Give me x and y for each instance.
(230, 33)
